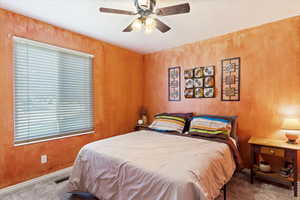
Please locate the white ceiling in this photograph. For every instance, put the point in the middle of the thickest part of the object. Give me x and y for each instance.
(208, 18)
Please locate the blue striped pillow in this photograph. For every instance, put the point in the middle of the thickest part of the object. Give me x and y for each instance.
(210, 127)
(168, 123)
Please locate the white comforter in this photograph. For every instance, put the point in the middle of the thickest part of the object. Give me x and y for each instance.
(147, 165)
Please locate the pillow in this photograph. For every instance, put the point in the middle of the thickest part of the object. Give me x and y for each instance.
(210, 127)
(187, 116)
(166, 122)
(232, 119)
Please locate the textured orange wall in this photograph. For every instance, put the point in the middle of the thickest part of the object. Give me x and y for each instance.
(270, 77)
(269, 87)
(117, 89)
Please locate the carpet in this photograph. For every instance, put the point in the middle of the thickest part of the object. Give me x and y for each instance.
(238, 188)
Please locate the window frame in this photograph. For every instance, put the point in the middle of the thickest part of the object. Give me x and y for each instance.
(59, 49)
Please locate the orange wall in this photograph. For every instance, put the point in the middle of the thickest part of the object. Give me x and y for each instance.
(269, 87)
(117, 89)
(270, 77)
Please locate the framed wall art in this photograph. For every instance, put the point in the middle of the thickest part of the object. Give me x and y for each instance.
(231, 79)
(200, 82)
(188, 74)
(174, 89)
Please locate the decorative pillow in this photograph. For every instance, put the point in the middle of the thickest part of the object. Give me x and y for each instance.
(210, 127)
(187, 116)
(167, 122)
(233, 121)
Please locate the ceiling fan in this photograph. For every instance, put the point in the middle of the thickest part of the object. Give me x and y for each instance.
(146, 9)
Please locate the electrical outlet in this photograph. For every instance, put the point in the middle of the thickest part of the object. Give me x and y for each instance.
(44, 159)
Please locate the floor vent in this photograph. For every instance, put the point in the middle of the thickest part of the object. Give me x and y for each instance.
(61, 180)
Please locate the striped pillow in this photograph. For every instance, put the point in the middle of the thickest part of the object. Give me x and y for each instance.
(168, 123)
(210, 127)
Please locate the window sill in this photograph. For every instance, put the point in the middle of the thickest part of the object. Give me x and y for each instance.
(54, 138)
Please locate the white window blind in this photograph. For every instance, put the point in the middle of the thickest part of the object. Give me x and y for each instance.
(53, 91)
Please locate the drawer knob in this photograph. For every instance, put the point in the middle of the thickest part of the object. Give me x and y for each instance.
(272, 151)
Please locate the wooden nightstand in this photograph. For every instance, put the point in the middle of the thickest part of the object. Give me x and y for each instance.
(277, 148)
(140, 127)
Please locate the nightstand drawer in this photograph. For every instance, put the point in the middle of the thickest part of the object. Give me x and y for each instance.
(272, 151)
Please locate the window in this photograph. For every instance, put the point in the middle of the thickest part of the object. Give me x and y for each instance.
(53, 91)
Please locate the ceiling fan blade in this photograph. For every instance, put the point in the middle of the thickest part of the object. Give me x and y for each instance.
(128, 28)
(162, 26)
(174, 10)
(116, 11)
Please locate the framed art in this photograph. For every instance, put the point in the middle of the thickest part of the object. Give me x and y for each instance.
(188, 73)
(189, 83)
(209, 71)
(209, 81)
(200, 82)
(174, 89)
(209, 92)
(189, 93)
(231, 79)
(199, 92)
(199, 72)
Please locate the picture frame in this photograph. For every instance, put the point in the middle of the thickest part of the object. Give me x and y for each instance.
(199, 72)
(189, 83)
(199, 92)
(231, 79)
(174, 83)
(200, 82)
(209, 82)
(189, 93)
(209, 92)
(209, 71)
(188, 74)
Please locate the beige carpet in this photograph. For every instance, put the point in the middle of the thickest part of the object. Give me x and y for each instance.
(239, 188)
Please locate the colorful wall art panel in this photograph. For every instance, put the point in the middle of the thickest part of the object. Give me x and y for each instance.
(200, 82)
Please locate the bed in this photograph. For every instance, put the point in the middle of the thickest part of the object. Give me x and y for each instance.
(147, 165)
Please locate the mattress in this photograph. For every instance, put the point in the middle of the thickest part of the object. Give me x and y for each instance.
(147, 165)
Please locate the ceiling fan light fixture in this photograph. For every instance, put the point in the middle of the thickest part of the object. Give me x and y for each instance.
(137, 25)
(148, 30)
(149, 22)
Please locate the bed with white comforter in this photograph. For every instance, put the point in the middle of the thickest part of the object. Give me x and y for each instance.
(147, 165)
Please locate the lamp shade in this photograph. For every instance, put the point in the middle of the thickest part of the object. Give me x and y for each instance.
(291, 125)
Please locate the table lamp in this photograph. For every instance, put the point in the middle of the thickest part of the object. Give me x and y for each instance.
(291, 127)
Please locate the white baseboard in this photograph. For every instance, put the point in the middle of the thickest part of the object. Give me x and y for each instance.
(40, 179)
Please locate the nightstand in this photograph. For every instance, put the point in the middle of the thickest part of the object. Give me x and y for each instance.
(141, 127)
(277, 148)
